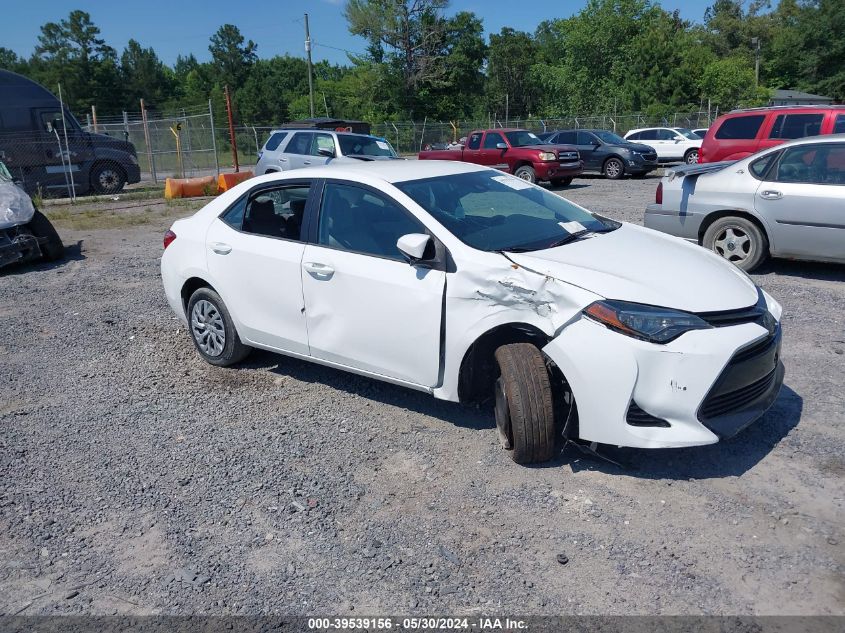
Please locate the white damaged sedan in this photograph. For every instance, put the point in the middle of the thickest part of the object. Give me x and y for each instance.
(473, 285)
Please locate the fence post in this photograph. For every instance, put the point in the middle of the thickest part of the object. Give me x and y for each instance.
(213, 138)
(150, 157)
(125, 126)
(94, 117)
(255, 134)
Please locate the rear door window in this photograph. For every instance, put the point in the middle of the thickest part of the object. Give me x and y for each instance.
(636, 136)
(839, 125)
(788, 126)
(566, 138)
(585, 138)
(299, 144)
(273, 142)
(322, 141)
(740, 127)
(474, 141)
(760, 166)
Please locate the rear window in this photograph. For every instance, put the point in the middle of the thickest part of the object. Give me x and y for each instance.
(740, 127)
(273, 142)
(789, 126)
(839, 126)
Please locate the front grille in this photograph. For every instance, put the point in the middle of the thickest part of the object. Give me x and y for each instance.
(650, 156)
(568, 156)
(637, 417)
(715, 406)
(757, 349)
(751, 314)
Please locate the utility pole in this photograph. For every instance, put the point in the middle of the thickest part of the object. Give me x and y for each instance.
(755, 42)
(308, 53)
(232, 139)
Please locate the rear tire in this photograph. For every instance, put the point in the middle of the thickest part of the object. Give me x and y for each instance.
(108, 178)
(737, 240)
(613, 169)
(213, 331)
(41, 227)
(691, 157)
(524, 406)
(526, 172)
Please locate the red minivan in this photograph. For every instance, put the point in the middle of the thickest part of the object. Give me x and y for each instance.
(740, 133)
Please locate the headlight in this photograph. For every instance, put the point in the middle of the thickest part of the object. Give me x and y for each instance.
(644, 322)
(547, 156)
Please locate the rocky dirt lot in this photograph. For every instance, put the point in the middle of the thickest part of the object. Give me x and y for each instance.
(136, 479)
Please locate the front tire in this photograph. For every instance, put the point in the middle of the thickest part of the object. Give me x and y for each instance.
(738, 240)
(613, 169)
(524, 407)
(213, 331)
(41, 227)
(526, 172)
(108, 178)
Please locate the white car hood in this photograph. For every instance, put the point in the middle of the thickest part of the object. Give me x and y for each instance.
(640, 265)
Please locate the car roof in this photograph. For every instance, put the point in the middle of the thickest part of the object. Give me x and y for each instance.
(387, 171)
(813, 140)
(312, 129)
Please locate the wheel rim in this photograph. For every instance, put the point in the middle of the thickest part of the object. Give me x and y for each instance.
(524, 174)
(108, 179)
(503, 418)
(208, 328)
(692, 158)
(612, 169)
(733, 244)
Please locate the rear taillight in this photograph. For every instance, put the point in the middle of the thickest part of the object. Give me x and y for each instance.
(658, 195)
(168, 238)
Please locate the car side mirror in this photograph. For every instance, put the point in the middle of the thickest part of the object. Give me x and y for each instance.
(595, 143)
(415, 247)
(325, 151)
(501, 146)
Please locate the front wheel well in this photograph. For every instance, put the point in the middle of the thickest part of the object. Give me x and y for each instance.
(479, 370)
(713, 217)
(190, 287)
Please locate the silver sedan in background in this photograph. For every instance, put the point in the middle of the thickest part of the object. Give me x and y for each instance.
(787, 201)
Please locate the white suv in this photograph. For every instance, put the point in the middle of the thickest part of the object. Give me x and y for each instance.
(294, 149)
(672, 144)
(472, 285)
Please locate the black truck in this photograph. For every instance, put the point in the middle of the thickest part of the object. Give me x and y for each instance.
(41, 157)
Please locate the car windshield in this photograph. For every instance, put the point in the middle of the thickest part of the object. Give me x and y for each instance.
(609, 137)
(357, 145)
(492, 211)
(687, 133)
(521, 138)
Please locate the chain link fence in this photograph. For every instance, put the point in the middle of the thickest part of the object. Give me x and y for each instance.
(191, 143)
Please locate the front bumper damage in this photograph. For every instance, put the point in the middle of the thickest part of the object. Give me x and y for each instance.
(18, 244)
(704, 386)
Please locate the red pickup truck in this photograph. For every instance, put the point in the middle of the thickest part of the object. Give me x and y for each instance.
(518, 152)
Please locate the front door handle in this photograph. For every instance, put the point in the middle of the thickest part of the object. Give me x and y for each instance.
(221, 249)
(318, 270)
(771, 194)
(307, 162)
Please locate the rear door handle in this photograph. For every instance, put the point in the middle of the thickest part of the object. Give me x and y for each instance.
(771, 194)
(318, 270)
(221, 249)
(307, 162)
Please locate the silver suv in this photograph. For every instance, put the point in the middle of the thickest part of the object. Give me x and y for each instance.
(294, 149)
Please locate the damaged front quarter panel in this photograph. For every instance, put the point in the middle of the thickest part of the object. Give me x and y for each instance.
(495, 291)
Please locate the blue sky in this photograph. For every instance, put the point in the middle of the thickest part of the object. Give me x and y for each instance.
(173, 27)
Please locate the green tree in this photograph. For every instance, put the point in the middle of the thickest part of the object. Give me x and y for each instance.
(232, 58)
(9, 60)
(408, 35)
(509, 88)
(729, 82)
(144, 76)
(71, 52)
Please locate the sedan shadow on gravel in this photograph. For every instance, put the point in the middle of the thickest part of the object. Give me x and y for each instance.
(383, 392)
(728, 458)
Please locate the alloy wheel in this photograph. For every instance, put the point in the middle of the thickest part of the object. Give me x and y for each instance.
(207, 328)
(733, 244)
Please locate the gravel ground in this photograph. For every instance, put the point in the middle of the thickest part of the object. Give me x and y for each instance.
(136, 479)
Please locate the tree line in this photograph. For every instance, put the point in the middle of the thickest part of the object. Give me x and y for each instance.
(613, 55)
